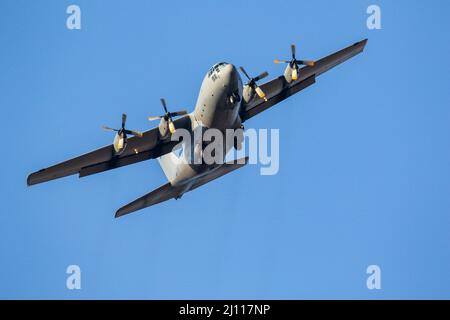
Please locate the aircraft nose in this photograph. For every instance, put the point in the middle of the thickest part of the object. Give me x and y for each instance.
(230, 69)
(230, 72)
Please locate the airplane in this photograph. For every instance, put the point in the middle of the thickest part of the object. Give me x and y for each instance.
(224, 102)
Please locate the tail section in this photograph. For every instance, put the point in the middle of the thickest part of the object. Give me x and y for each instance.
(167, 191)
(163, 193)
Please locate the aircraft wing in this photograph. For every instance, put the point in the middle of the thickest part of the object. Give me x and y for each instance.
(149, 146)
(279, 89)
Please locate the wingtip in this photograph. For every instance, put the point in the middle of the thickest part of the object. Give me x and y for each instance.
(118, 214)
(29, 182)
(364, 42)
(121, 212)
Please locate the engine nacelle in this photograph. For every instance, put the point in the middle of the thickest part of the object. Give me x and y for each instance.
(164, 130)
(290, 74)
(120, 143)
(248, 94)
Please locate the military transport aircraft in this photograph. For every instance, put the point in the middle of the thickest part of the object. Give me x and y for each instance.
(223, 103)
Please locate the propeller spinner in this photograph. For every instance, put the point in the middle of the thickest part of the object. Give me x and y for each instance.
(252, 83)
(168, 116)
(294, 63)
(120, 140)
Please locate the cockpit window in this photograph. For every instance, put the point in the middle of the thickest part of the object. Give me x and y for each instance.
(216, 68)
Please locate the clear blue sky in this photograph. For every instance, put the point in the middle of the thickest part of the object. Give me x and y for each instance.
(364, 170)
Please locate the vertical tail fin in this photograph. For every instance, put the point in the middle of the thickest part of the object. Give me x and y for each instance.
(169, 163)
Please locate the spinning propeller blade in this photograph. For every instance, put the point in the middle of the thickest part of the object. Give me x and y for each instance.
(252, 82)
(168, 116)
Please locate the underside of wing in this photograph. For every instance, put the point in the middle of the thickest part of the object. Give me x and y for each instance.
(279, 89)
(163, 193)
(167, 191)
(149, 146)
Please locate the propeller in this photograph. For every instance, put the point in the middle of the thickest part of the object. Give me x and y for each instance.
(123, 131)
(294, 63)
(168, 116)
(252, 83)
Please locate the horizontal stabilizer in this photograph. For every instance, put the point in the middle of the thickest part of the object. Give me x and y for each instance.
(167, 191)
(163, 193)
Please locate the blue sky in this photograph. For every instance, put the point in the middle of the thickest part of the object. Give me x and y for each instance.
(364, 157)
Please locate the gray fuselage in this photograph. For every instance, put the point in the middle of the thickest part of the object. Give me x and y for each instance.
(217, 107)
